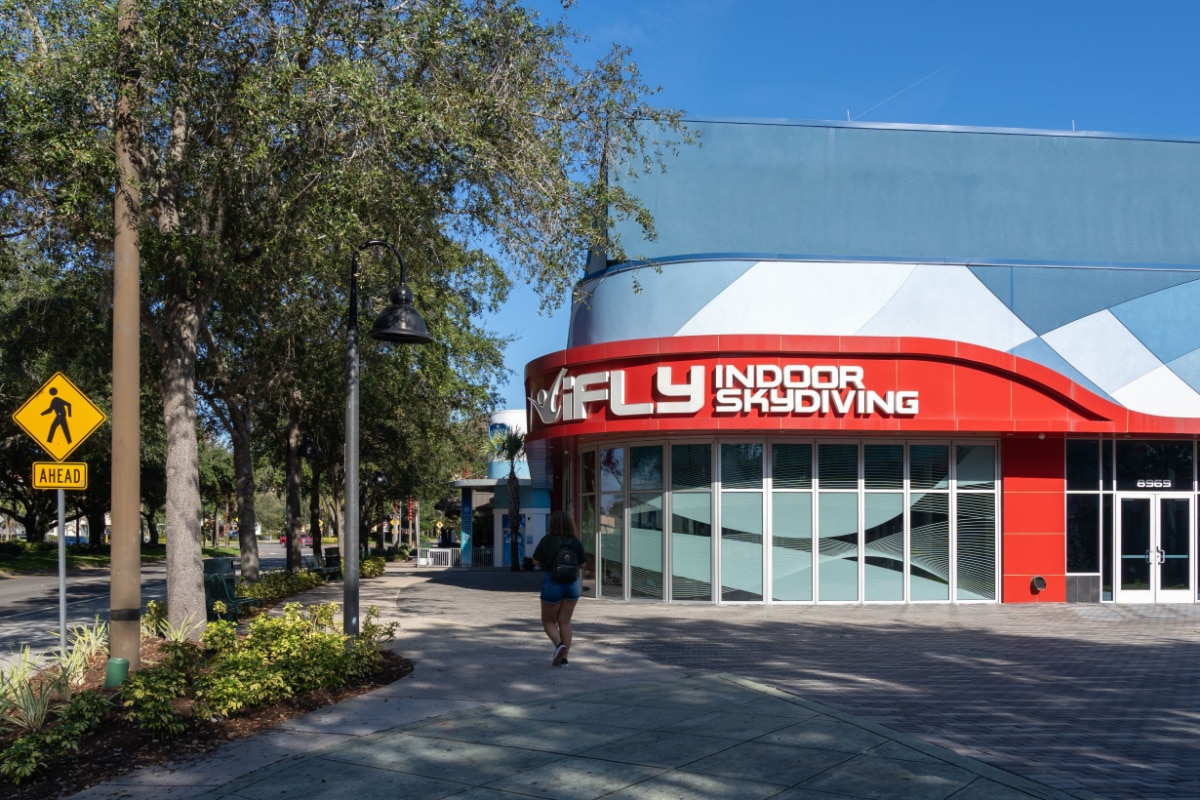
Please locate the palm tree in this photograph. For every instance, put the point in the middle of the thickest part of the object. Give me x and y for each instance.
(511, 446)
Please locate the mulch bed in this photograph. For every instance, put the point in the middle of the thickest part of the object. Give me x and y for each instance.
(119, 746)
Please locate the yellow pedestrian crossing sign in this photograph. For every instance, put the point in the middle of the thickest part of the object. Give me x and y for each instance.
(59, 417)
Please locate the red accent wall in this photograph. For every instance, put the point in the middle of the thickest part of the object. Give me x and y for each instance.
(1033, 519)
(963, 388)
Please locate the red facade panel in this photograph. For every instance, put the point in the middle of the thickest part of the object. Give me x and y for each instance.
(1033, 527)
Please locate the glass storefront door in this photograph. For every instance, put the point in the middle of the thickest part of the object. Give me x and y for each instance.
(1154, 548)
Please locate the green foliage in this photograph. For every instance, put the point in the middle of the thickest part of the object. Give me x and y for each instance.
(372, 567)
(149, 699)
(91, 641)
(220, 636)
(27, 704)
(268, 148)
(240, 679)
(300, 649)
(154, 618)
(181, 655)
(30, 753)
(277, 584)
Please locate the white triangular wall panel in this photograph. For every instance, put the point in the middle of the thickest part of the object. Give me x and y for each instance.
(1160, 392)
(948, 302)
(1104, 350)
(800, 299)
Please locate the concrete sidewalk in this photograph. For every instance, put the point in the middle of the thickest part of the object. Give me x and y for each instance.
(484, 715)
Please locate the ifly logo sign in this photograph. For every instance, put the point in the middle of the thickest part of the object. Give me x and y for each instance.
(800, 390)
(567, 398)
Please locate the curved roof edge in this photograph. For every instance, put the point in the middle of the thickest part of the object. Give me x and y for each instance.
(915, 126)
(625, 266)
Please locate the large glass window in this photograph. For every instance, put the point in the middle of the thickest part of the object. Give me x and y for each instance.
(929, 466)
(646, 522)
(1083, 532)
(791, 543)
(1083, 465)
(1089, 510)
(837, 466)
(612, 522)
(975, 521)
(691, 522)
(741, 521)
(976, 546)
(870, 521)
(837, 532)
(883, 546)
(791, 521)
(588, 523)
(929, 574)
(883, 522)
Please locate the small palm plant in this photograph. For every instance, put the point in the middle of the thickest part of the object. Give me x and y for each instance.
(510, 445)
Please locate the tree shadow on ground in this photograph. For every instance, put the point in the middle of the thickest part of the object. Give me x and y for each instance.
(1100, 696)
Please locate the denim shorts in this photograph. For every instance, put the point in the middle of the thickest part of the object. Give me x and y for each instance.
(555, 592)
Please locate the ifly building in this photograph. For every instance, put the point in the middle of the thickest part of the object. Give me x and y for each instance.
(887, 364)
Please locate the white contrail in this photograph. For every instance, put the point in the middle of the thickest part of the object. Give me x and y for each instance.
(902, 91)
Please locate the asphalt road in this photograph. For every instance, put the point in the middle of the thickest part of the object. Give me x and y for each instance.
(29, 603)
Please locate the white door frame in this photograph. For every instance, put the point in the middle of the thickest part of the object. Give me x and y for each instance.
(1145, 559)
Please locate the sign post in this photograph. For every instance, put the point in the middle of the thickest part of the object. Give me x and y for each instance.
(59, 418)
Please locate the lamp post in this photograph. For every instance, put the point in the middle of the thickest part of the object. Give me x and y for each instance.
(399, 322)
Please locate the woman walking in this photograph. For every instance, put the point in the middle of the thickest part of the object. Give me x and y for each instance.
(561, 556)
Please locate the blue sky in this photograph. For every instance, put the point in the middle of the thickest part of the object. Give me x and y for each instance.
(1122, 67)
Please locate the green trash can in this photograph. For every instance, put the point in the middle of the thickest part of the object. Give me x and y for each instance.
(222, 565)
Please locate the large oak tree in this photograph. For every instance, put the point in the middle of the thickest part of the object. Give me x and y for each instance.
(275, 136)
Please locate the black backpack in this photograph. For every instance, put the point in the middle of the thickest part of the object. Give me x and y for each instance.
(565, 568)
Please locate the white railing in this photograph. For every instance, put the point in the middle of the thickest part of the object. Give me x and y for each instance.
(445, 557)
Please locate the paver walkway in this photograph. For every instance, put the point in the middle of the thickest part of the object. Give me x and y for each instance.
(1082, 697)
(693, 701)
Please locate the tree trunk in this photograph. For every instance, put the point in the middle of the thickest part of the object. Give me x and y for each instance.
(243, 470)
(514, 514)
(185, 577)
(314, 512)
(152, 528)
(294, 526)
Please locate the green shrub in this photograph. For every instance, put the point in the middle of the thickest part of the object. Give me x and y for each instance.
(150, 696)
(220, 636)
(154, 619)
(30, 753)
(275, 585)
(282, 655)
(372, 567)
(239, 679)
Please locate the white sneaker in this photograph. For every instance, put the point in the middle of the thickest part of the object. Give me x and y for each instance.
(560, 654)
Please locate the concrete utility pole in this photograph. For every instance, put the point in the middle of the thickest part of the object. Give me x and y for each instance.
(126, 577)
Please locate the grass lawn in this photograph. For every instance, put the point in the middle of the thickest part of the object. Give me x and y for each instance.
(45, 559)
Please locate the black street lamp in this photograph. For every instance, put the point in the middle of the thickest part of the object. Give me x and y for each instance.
(399, 322)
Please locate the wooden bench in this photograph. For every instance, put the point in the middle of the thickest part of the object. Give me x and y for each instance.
(222, 588)
(331, 570)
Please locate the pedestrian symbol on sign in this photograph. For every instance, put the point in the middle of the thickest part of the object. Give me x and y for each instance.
(61, 409)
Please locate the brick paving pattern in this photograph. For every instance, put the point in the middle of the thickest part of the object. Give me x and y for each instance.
(1089, 697)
